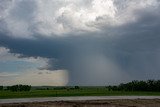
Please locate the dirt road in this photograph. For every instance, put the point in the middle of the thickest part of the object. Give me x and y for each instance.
(105, 101)
(45, 99)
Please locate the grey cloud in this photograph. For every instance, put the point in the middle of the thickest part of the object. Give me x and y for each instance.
(59, 18)
(116, 54)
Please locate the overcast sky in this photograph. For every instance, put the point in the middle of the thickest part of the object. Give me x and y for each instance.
(79, 42)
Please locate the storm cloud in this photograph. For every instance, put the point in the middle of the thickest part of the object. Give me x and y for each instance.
(99, 42)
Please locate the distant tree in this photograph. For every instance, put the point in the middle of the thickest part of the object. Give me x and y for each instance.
(109, 88)
(76, 87)
(151, 85)
(157, 85)
(1, 88)
(115, 88)
(20, 87)
(8, 88)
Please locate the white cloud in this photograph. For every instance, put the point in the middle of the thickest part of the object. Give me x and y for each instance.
(24, 18)
(26, 70)
(6, 74)
(6, 56)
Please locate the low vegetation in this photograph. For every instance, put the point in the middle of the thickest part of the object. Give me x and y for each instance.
(138, 88)
(150, 85)
(16, 88)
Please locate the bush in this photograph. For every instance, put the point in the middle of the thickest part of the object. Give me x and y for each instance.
(15, 88)
(150, 85)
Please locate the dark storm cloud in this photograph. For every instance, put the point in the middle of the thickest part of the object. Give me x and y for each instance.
(119, 53)
(135, 50)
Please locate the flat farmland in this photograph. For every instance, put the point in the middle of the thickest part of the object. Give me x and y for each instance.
(85, 91)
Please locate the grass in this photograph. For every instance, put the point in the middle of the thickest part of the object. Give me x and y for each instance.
(72, 92)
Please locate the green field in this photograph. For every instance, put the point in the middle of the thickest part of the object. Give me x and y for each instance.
(88, 91)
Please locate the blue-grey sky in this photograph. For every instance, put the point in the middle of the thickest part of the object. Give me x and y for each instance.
(77, 42)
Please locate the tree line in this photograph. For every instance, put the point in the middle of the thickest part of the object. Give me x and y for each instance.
(16, 88)
(149, 85)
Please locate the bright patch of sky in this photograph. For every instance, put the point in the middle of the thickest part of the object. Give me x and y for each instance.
(10, 62)
(20, 70)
